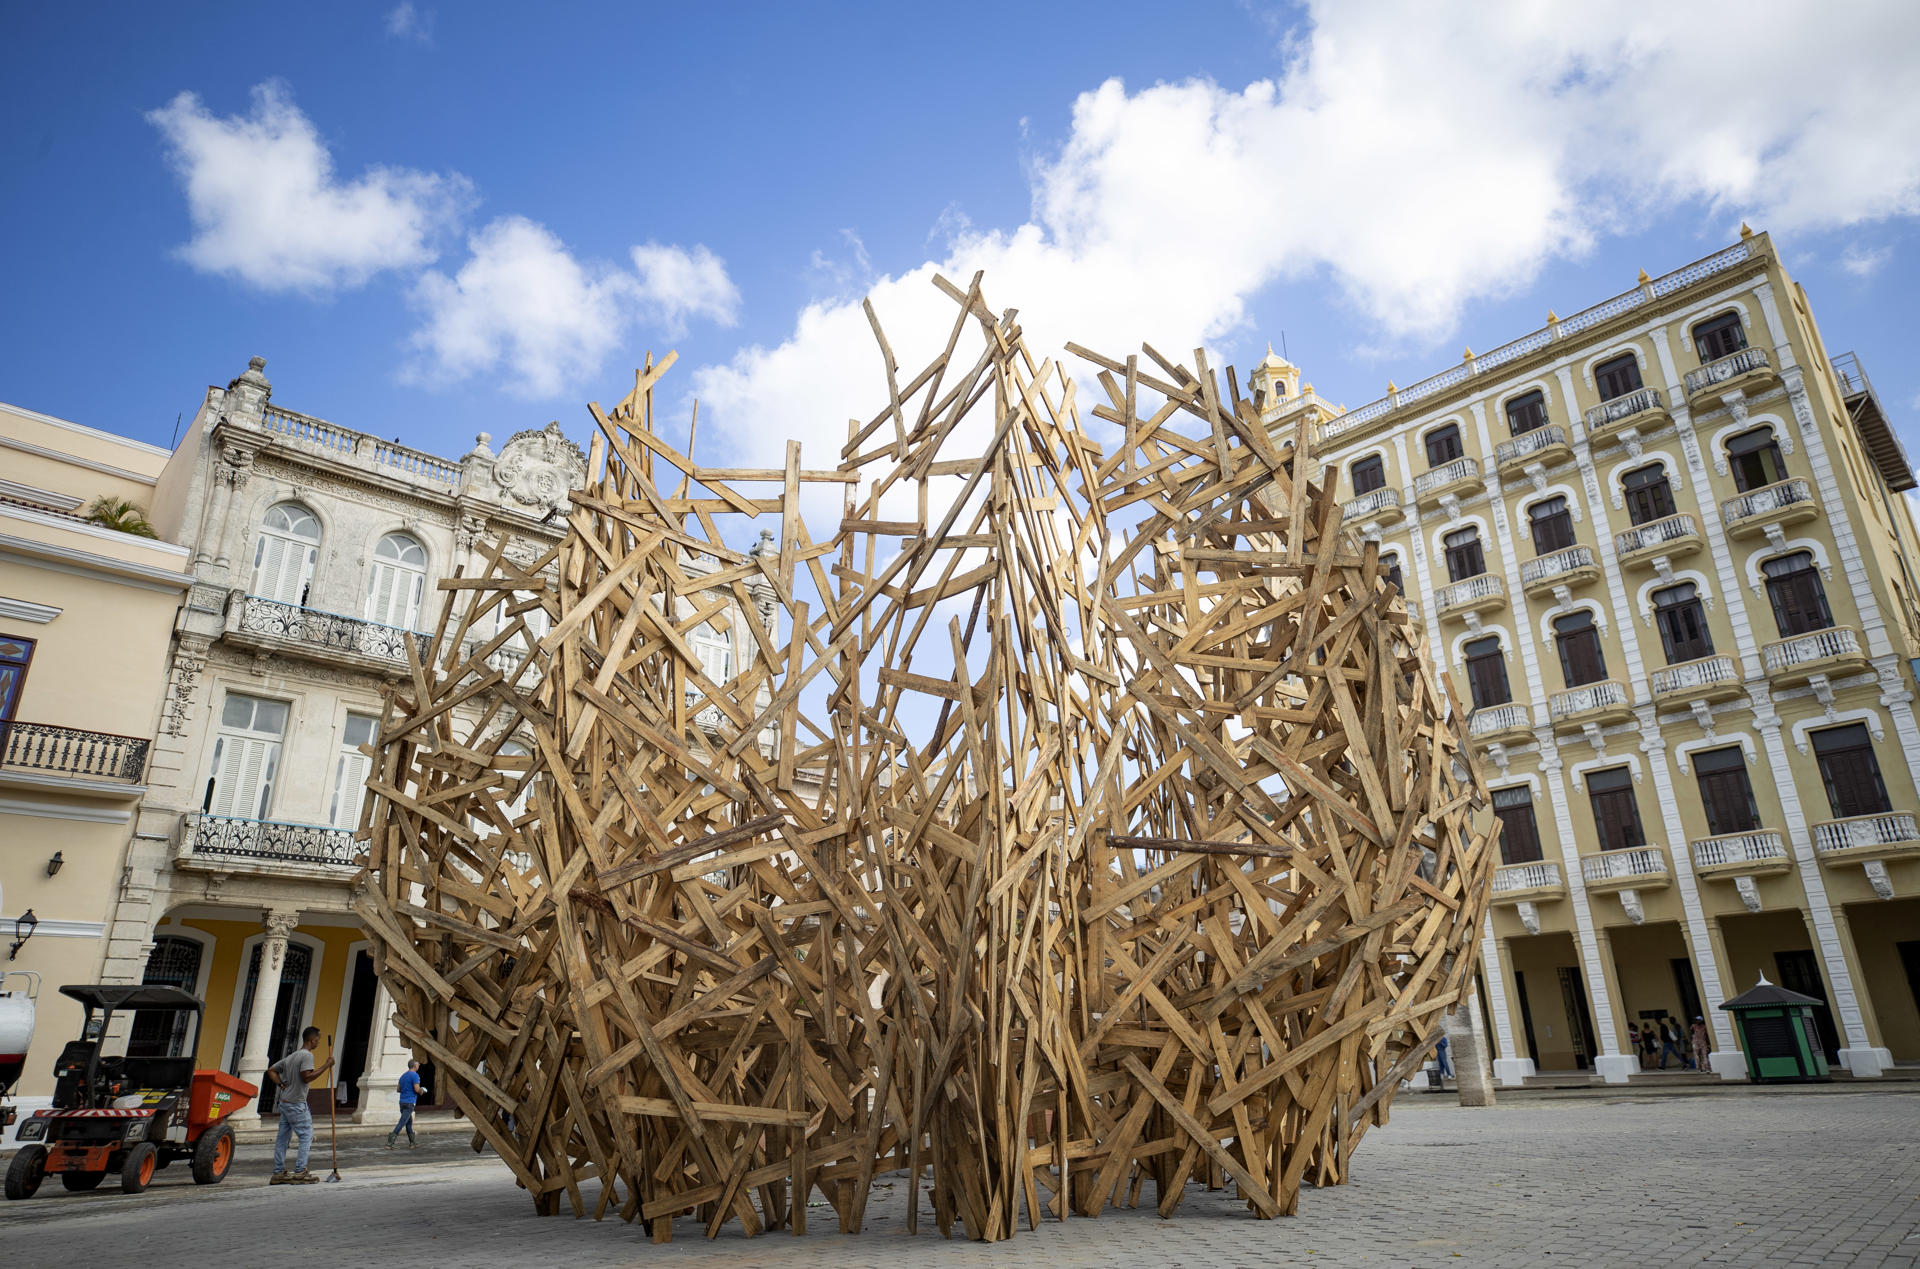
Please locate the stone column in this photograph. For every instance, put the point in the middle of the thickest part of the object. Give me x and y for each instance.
(386, 1060)
(1613, 1067)
(1861, 1055)
(279, 923)
(1517, 1064)
(1726, 1061)
(1466, 1038)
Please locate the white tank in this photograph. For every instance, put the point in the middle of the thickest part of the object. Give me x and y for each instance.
(16, 1033)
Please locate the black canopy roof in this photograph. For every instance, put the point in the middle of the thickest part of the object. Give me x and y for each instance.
(1765, 993)
(132, 996)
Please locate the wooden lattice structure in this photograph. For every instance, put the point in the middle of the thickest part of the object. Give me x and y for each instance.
(1074, 816)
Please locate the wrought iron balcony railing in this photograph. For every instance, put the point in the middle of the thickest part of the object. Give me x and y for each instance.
(69, 751)
(270, 840)
(327, 630)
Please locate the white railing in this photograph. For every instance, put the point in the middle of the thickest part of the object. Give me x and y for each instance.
(1540, 875)
(1688, 675)
(1817, 645)
(1655, 532)
(1761, 847)
(1370, 503)
(1468, 591)
(1866, 830)
(1445, 474)
(1725, 368)
(1534, 341)
(1565, 560)
(1590, 696)
(1529, 443)
(1767, 498)
(1639, 401)
(346, 442)
(1618, 865)
(1493, 719)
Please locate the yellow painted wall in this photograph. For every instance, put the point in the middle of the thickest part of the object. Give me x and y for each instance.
(1878, 926)
(225, 981)
(1540, 959)
(1643, 958)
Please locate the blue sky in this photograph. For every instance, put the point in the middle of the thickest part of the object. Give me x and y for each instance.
(426, 217)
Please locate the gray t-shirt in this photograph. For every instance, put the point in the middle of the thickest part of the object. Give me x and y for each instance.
(296, 1074)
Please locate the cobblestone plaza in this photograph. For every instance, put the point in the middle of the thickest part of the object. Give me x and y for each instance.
(1746, 1176)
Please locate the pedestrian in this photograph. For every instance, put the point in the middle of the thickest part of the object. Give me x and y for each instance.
(410, 1090)
(1670, 1039)
(1649, 1045)
(1442, 1059)
(1702, 1043)
(294, 1074)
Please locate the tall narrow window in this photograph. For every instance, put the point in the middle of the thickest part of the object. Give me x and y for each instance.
(1552, 525)
(1723, 336)
(1682, 622)
(1649, 496)
(1464, 559)
(15, 655)
(1618, 377)
(1799, 600)
(1525, 413)
(1519, 834)
(1850, 771)
(284, 557)
(1755, 459)
(350, 770)
(399, 580)
(1615, 813)
(246, 757)
(1369, 474)
(715, 649)
(1443, 445)
(1487, 673)
(1390, 564)
(1725, 791)
(1579, 644)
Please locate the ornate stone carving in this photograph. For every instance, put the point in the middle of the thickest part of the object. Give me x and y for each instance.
(236, 465)
(538, 469)
(469, 531)
(1749, 892)
(189, 659)
(1630, 903)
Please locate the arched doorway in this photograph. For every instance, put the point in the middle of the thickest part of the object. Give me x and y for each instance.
(289, 1011)
(174, 962)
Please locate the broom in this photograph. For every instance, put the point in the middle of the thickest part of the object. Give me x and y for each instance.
(333, 1130)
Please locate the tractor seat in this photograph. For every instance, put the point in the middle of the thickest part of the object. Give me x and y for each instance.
(168, 1073)
(70, 1090)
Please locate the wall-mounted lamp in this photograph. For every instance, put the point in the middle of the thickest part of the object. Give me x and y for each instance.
(23, 927)
(55, 864)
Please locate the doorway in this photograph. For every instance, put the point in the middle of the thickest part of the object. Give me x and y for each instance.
(357, 1030)
(1526, 1018)
(1573, 990)
(1800, 971)
(289, 1013)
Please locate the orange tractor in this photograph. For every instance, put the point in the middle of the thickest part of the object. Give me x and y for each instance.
(128, 1115)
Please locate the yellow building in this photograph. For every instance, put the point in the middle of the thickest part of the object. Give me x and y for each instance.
(1661, 547)
(85, 615)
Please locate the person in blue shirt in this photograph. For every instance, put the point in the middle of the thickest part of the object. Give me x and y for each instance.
(410, 1090)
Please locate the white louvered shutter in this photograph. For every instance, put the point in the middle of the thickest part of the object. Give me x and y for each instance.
(349, 786)
(386, 587)
(269, 573)
(245, 780)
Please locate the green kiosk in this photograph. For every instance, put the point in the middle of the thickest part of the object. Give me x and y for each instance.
(1778, 1032)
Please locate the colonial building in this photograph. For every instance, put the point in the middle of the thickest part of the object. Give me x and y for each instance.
(85, 613)
(1661, 546)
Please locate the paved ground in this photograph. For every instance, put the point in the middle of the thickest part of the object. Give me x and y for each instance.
(1777, 1177)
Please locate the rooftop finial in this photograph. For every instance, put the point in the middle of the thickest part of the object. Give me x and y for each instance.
(1468, 355)
(1552, 317)
(1644, 279)
(1746, 232)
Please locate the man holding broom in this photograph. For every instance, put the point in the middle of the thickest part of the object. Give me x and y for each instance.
(294, 1074)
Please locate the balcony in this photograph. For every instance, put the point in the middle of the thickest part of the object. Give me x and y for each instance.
(1715, 678)
(1544, 445)
(1500, 725)
(1757, 510)
(1644, 543)
(228, 844)
(1744, 372)
(1642, 410)
(1528, 883)
(1741, 854)
(1642, 868)
(1570, 566)
(1830, 652)
(1382, 505)
(1607, 701)
(1867, 837)
(1478, 593)
(1457, 479)
(41, 755)
(323, 636)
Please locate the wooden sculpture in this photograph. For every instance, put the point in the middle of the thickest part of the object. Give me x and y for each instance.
(1072, 815)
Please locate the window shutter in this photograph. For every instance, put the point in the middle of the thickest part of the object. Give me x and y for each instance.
(349, 783)
(380, 594)
(269, 577)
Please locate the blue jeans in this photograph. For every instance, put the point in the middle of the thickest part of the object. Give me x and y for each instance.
(295, 1121)
(406, 1121)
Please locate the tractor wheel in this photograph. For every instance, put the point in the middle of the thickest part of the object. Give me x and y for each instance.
(81, 1182)
(213, 1155)
(24, 1175)
(136, 1174)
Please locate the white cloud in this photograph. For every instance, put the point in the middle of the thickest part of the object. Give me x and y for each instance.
(1864, 262)
(1416, 157)
(406, 22)
(268, 210)
(524, 307)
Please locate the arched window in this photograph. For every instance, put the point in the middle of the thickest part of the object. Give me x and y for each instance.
(1487, 673)
(1579, 644)
(1799, 600)
(1719, 337)
(1390, 565)
(399, 580)
(1527, 413)
(1552, 525)
(1464, 559)
(1648, 495)
(1369, 474)
(174, 962)
(1618, 377)
(1682, 622)
(1443, 445)
(715, 650)
(284, 557)
(1756, 461)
